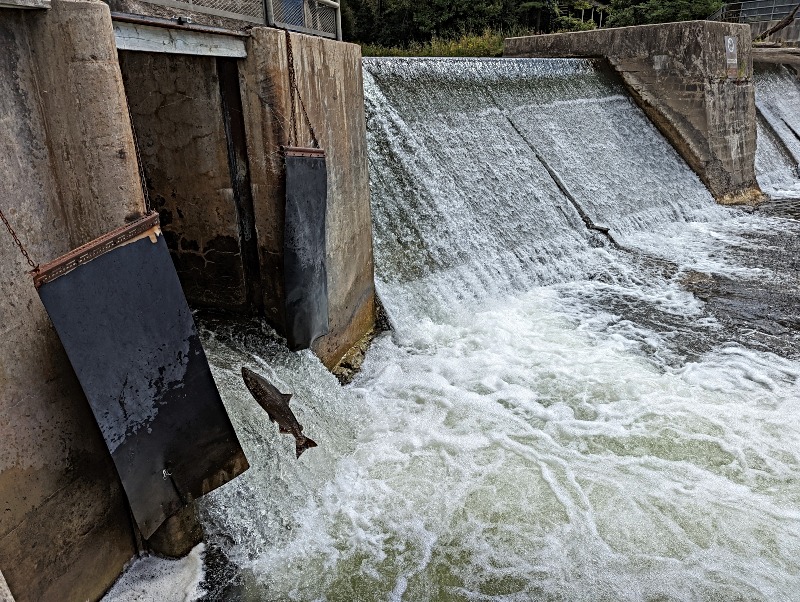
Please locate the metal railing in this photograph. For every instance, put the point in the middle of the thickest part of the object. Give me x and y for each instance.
(315, 17)
(754, 11)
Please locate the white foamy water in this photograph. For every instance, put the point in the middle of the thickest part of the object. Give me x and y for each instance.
(778, 154)
(554, 417)
(152, 579)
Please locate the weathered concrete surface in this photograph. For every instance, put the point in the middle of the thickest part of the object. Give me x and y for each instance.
(677, 73)
(5, 593)
(778, 56)
(24, 4)
(177, 536)
(331, 85)
(142, 7)
(788, 36)
(177, 112)
(66, 155)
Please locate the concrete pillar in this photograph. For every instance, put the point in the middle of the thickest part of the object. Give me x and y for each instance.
(329, 77)
(68, 175)
(678, 74)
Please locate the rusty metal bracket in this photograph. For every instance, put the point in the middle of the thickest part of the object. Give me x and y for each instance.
(123, 235)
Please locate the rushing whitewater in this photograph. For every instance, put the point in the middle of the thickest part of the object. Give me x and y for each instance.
(778, 155)
(556, 415)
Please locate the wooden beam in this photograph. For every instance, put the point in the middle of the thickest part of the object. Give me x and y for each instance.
(145, 38)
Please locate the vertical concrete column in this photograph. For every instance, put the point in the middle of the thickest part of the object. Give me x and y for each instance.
(330, 82)
(68, 175)
(678, 74)
(88, 128)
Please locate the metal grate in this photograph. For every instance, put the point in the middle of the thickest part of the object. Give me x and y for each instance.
(754, 11)
(317, 17)
(244, 10)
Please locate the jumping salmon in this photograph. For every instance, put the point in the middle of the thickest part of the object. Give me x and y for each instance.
(276, 405)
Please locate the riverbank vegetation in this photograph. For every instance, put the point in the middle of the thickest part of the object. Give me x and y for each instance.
(478, 27)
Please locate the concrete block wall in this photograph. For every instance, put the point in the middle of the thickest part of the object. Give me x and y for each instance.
(677, 73)
(68, 176)
(331, 85)
(176, 107)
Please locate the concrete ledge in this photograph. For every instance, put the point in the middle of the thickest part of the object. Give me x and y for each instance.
(679, 75)
(24, 4)
(778, 56)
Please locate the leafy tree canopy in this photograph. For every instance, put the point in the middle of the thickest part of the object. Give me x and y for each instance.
(404, 22)
(643, 12)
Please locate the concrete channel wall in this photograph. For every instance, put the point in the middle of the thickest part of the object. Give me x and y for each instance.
(176, 106)
(209, 130)
(330, 82)
(228, 249)
(788, 36)
(678, 74)
(67, 175)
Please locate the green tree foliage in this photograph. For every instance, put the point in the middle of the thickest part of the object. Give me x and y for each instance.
(403, 23)
(642, 12)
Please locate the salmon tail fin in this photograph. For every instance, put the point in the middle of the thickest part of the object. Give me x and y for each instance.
(303, 445)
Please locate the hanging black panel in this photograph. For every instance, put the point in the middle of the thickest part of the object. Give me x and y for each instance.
(304, 263)
(121, 314)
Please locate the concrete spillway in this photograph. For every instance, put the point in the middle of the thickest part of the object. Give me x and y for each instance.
(556, 415)
(778, 154)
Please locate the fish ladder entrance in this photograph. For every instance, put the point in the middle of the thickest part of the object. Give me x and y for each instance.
(187, 115)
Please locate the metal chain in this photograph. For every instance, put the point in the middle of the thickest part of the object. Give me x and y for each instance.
(145, 192)
(139, 164)
(294, 89)
(22, 249)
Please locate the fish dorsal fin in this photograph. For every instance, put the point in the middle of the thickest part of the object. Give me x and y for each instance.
(286, 397)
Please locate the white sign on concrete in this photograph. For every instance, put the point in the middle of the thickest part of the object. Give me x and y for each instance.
(732, 56)
(145, 38)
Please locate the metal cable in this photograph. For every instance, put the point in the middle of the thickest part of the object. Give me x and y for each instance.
(139, 164)
(34, 266)
(294, 89)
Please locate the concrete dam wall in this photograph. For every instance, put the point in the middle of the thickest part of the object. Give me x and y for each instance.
(562, 411)
(454, 223)
(778, 106)
(700, 98)
(68, 175)
(208, 130)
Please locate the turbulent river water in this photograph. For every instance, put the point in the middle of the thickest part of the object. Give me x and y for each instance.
(778, 157)
(585, 395)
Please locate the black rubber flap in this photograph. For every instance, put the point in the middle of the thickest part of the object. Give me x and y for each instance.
(121, 314)
(304, 260)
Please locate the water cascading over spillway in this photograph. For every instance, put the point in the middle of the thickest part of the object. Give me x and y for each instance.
(554, 417)
(778, 155)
